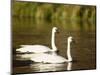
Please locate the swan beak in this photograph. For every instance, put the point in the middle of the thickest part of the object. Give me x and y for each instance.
(58, 31)
(74, 41)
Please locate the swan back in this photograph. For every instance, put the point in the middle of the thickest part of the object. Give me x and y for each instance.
(34, 49)
(47, 58)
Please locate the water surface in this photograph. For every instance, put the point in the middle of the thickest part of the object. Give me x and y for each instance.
(30, 31)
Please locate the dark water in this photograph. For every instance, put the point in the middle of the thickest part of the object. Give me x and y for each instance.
(30, 31)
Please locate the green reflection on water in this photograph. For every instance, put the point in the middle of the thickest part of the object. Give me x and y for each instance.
(31, 31)
(32, 24)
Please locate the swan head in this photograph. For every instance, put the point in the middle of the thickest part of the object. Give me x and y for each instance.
(70, 39)
(54, 29)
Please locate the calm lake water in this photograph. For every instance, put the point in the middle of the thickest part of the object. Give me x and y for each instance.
(29, 31)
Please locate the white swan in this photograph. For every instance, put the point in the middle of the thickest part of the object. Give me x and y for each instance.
(47, 58)
(40, 48)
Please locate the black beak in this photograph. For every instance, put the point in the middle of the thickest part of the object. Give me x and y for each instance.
(58, 31)
(73, 41)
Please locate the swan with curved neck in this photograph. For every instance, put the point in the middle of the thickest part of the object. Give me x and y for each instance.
(68, 48)
(40, 48)
(54, 30)
(47, 58)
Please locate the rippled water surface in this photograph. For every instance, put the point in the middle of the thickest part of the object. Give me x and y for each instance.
(28, 31)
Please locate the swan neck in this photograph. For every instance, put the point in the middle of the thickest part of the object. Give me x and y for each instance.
(53, 41)
(69, 52)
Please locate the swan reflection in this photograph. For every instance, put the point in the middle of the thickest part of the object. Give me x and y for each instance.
(40, 67)
(69, 66)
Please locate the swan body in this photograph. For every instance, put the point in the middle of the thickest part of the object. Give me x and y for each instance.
(47, 58)
(34, 48)
(40, 48)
